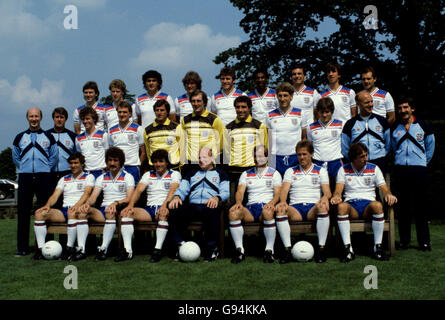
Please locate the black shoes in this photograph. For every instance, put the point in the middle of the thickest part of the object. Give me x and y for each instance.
(37, 255)
(320, 255)
(425, 247)
(268, 257)
(156, 255)
(67, 253)
(77, 256)
(379, 254)
(101, 255)
(123, 256)
(348, 254)
(239, 256)
(287, 256)
(212, 255)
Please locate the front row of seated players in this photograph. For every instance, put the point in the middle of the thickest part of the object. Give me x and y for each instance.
(206, 187)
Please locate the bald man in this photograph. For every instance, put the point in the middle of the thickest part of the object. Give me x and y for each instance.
(368, 128)
(34, 153)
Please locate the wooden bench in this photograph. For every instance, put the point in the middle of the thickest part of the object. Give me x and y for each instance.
(61, 228)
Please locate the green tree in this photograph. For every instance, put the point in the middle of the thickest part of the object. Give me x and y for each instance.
(7, 167)
(407, 49)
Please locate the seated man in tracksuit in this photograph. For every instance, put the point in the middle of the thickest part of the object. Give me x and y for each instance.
(206, 188)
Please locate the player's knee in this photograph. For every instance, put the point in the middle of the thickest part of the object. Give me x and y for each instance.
(40, 216)
(342, 208)
(377, 206)
(110, 216)
(268, 214)
(163, 216)
(234, 214)
(81, 215)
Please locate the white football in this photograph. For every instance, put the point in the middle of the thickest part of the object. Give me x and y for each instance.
(51, 250)
(189, 251)
(302, 251)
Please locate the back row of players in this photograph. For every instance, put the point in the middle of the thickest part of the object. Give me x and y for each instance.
(236, 130)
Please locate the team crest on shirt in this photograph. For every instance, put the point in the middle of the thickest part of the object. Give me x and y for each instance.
(334, 134)
(96, 144)
(214, 179)
(419, 136)
(269, 104)
(169, 141)
(306, 100)
(367, 181)
(167, 185)
(314, 180)
(79, 186)
(131, 138)
(45, 144)
(268, 183)
(67, 143)
(378, 128)
(345, 99)
(250, 139)
(294, 121)
(121, 187)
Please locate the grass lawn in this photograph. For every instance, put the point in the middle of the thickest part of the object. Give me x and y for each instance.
(410, 274)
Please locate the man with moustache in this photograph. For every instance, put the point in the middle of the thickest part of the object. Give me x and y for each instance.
(34, 153)
(413, 143)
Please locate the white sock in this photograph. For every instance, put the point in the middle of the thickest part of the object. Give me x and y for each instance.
(127, 230)
(109, 229)
(161, 233)
(284, 230)
(378, 223)
(82, 234)
(270, 233)
(40, 231)
(345, 229)
(71, 232)
(322, 228)
(237, 233)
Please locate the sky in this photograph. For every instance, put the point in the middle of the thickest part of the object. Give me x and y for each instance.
(44, 64)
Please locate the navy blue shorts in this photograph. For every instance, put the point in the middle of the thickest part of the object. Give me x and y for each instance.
(151, 210)
(303, 208)
(282, 163)
(256, 209)
(332, 166)
(359, 205)
(65, 212)
(135, 172)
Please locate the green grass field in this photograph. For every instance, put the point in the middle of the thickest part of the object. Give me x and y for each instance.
(410, 274)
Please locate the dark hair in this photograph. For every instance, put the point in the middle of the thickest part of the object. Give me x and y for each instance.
(245, 99)
(368, 69)
(92, 85)
(77, 155)
(260, 70)
(192, 76)
(89, 111)
(334, 66)
(305, 144)
(125, 104)
(60, 110)
(160, 154)
(152, 74)
(227, 71)
(204, 96)
(356, 149)
(162, 102)
(325, 104)
(406, 98)
(115, 152)
(298, 66)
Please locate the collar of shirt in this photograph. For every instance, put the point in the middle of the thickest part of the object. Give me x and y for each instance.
(165, 123)
(249, 119)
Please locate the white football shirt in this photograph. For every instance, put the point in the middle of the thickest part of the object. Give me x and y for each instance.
(360, 185)
(263, 104)
(222, 105)
(93, 149)
(306, 99)
(305, 186)
(73, 188)
(326, 139)
(100, 109)
(158, 187)
(382, 102)
(260, 187)
(144, 107)
(114, 189)
(284, 130)
(129, 139)
(344, 101)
